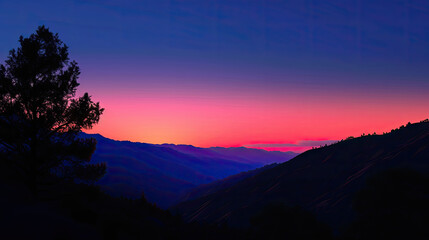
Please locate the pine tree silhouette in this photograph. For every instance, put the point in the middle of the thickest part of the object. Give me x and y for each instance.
(40, 117)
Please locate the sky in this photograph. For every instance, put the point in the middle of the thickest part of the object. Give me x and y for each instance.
(277, 75)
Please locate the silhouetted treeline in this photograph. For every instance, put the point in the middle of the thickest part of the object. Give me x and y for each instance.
(374, 134)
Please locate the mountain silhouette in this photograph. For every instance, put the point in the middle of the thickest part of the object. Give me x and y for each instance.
(323, 181)
(166, 172)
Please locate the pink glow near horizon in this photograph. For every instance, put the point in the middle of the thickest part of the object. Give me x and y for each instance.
(236, 117)
(285, 149)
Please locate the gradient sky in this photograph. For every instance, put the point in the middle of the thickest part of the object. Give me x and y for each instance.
(280, 75)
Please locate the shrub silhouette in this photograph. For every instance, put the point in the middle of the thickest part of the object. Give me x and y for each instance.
(40, 117)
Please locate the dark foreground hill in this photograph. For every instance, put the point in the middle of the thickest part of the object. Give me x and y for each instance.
(323, 181)
(166, 172)
(78, 211)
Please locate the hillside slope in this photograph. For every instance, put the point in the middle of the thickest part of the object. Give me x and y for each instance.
(210, 188)
(165, 172)
(323, 180)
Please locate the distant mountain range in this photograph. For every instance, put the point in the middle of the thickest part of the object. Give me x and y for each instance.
(166, 172)
(323, 181)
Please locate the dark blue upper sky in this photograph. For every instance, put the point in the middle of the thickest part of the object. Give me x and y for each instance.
(358, 35)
